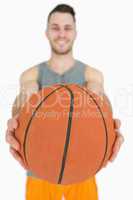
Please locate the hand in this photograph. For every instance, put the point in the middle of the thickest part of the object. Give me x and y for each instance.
(12, 124)
(118, 142)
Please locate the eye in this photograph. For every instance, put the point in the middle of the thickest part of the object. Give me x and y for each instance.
(68, 28)
(55, 28)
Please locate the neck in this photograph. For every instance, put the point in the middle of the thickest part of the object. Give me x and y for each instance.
(60, 63)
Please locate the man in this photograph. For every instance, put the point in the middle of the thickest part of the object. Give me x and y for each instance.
(61, 67)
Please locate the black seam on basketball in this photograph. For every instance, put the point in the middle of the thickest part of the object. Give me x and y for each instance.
(67, 136)
(106, 132)
(30, 120)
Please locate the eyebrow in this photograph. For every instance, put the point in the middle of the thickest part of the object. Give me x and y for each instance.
(69, 25)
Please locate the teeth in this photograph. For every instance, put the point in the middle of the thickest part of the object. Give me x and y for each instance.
(62, 42)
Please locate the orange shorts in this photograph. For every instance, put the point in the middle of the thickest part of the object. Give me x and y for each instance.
(37, 189)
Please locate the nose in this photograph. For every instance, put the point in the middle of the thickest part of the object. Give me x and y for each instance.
(62, 33)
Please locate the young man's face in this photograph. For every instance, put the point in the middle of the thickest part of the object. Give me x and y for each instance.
(61, 32)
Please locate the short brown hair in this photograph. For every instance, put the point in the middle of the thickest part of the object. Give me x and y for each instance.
(63, 8)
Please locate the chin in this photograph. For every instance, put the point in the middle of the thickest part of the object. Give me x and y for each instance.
(61, 52)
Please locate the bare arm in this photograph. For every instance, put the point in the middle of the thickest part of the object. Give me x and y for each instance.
(95, 82)
(28, 86)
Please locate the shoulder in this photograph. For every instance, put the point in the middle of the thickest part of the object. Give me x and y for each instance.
(29, 80)
(93, 74)
(31, 74)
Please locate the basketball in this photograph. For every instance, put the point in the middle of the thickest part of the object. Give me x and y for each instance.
(66, 133)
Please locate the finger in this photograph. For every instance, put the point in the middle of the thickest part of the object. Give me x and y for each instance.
(113, 157)
(116, 149)
(105, 165)
(12, 141)
(16, 116)
(117, 123)
(121, 138)
(10, 133)
(12, 124)
(17, 157)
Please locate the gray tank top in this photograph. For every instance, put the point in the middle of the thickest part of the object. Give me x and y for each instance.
(47, 76)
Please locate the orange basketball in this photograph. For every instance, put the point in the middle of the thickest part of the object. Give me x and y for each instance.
(66, 133)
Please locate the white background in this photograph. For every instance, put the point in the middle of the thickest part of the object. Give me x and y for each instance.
(105, 41)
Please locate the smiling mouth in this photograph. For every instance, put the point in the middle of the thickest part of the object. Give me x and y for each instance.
(61, 42)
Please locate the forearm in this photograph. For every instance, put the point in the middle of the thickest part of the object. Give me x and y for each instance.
(99, 91)
(26, 91)
(15, 107)
(18, 102)
(109, 103)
